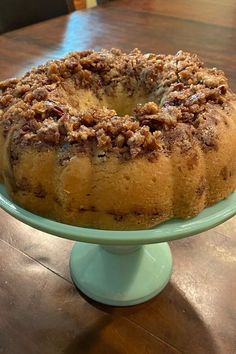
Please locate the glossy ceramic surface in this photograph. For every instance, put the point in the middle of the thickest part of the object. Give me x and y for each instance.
(120, 277)
(170, 230)
(121, 273)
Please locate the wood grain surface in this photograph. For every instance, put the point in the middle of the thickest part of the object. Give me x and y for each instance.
(41, 312)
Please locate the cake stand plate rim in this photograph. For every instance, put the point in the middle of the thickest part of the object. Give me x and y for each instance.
(167, 231)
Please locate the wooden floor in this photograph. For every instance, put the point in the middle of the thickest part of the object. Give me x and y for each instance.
(41, 312)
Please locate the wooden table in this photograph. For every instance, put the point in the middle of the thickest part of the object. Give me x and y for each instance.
(41, 312)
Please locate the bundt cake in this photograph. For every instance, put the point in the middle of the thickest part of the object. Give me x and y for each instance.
(118, 141)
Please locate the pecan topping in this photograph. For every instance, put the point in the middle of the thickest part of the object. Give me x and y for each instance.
(184, 101)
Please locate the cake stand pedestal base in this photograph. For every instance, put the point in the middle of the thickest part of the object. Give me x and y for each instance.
(120, 275)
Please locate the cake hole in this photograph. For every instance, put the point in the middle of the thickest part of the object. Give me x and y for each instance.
(154, 179)
(119, 98)
(124, 103)
(127, 178)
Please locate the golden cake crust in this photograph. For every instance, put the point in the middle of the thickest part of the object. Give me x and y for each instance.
(118, 141)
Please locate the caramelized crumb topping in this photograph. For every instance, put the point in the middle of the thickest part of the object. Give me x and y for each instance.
(185, 101)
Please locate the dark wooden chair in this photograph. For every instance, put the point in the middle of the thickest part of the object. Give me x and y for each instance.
(100, 2)
(18, 13)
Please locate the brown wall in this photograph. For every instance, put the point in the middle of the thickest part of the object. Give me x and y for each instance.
(80, 4)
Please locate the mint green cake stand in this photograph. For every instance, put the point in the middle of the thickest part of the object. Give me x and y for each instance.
(123, 268)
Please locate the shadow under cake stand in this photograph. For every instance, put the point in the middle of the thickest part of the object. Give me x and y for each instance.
(123, 268)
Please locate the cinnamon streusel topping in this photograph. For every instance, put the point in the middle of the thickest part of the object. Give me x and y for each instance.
(184, 101)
